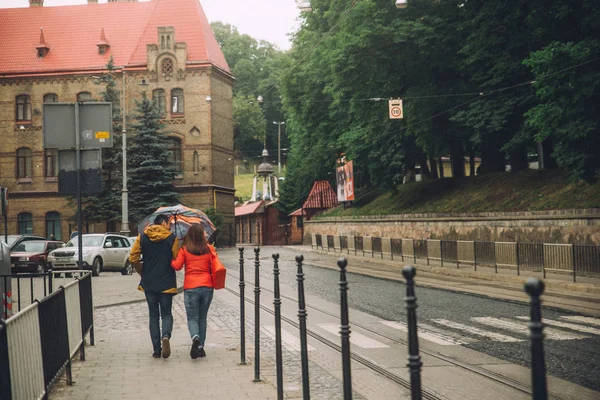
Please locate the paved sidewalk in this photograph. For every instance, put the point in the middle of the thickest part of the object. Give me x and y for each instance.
(120, 366)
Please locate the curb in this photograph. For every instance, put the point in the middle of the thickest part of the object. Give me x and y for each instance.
(394, 265)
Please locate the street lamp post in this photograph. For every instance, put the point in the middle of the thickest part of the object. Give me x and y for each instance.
(279, 123)
(124, 191)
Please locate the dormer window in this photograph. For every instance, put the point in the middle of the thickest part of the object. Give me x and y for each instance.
(103, 43)
(42, 48)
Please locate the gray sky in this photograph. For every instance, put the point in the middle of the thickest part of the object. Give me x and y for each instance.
(270, 20)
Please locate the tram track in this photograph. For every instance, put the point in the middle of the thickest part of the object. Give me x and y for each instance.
(427, 394)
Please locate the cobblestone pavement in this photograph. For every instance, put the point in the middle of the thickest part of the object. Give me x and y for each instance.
(120, 366)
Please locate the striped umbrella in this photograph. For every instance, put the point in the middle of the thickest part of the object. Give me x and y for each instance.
(180, 218)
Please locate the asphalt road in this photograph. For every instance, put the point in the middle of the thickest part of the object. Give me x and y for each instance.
(571, 354)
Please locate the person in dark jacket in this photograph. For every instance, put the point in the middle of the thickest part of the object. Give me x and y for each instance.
(158, 246)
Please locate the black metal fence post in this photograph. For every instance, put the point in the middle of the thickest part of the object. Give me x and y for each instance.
(277, 305)
(573, 262)
(414, 360)
(302, 321)
(256, 315)
(345, 330)
(5, 386)
(50, 280)
(242, 310)
(535, 287)
(517, 258)
(475, 255)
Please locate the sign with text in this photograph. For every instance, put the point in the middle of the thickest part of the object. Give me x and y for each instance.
(95, 125)
(345, 181)
(396, 111)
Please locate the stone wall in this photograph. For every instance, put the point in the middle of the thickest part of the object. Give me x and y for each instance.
(555, 226)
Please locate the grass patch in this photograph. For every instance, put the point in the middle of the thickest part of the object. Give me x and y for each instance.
(243, 186)
(502, 192)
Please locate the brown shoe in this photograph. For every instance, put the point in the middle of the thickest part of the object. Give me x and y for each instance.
(166, 348)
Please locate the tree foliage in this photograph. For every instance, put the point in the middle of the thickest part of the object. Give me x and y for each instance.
(150, 169)
(464, 70)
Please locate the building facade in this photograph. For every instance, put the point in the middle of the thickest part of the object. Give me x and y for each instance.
(164, 48)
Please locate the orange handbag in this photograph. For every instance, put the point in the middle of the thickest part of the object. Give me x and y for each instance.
(218, 270)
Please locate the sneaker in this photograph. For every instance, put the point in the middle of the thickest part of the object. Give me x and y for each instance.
(202, 353)
(156, 353)
(166, 348)
(194, 351)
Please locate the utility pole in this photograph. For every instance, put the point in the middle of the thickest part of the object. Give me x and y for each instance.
(279, 123)
(124, 191)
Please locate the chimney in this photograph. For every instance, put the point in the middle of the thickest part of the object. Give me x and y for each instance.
(36, 3)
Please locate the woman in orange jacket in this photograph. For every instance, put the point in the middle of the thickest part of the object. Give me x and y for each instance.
(196, 255)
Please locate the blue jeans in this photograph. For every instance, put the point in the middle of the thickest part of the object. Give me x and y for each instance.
(159, 304)
(197, 301)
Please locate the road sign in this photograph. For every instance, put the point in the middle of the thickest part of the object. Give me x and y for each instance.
(4, 201)
(91, 165)
(396, 111)
(95, 125)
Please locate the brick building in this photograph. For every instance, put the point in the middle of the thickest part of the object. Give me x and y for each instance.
(50, 54)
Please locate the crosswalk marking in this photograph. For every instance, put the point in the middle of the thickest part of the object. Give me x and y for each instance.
(580, 328)
(522, 328)
(434, 337)
(476, 331)
(288, 340)
(585, 320)
(355, 337)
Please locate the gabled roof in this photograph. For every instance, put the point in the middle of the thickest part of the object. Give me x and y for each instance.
(321, 196)
(298, 213)
(249, 208)
(72, 33)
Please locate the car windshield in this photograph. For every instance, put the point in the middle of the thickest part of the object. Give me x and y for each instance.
(88, 241)
(30, 247)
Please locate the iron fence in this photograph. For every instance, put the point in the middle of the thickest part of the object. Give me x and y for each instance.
(539, 257)
(319, 241)
(4, 365)
(25, 289)
(330, 244)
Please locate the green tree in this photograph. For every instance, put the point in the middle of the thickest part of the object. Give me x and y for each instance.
(151, 171)
(248, 124)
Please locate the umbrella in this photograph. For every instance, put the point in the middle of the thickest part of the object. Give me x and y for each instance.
(180, 218)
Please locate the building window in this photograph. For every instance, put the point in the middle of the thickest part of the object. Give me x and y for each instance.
(24, 163)
(196, 162)
(175, 154)
(167, 68)
(162, 42)
(177, 101)
(84, 96)
(23, 108)
(53, 226)
(160, 101)
(51, 98)
(25, 224)
(51, 163)
(299, 222)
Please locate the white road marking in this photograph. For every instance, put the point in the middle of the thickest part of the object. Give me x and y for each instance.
(585, 320)
(522, 328)
(434, 337)
(289, 341)
(476, 331)
(355, 337)
(580, 328)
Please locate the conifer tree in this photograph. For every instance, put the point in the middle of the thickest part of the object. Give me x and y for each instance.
(149, 166)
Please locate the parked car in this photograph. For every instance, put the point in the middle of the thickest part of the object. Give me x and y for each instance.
(100, 252)
(14, 240)
(132, 239)
(31, 255)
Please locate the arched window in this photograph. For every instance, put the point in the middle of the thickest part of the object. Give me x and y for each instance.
(196, 162)
(84, 96)
(167, 68)
(160, 101)
(50, 163)
(168, 42)
(53, 225)
(175, 154)
(177, 101)
(51, 98)
(25, 223)
(23, 108)
(24, 163)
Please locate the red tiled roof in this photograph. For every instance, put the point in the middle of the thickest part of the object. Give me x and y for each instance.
(247, 209)
(321, 196)
(73, 32)
(298, 213)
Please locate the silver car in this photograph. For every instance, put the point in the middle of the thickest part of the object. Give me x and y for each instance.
(100, 252)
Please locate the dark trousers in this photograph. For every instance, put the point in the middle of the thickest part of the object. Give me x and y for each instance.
(159, 304)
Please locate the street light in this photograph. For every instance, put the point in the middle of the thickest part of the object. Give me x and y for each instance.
(401, 4)
(305, 6)
(279, 144)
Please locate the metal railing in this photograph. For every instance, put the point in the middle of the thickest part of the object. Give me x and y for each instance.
(38, 343)
(572, 259)
(534, 288)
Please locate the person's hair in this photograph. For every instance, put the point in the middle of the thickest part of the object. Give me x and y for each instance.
(195, 240)
(160, 219)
